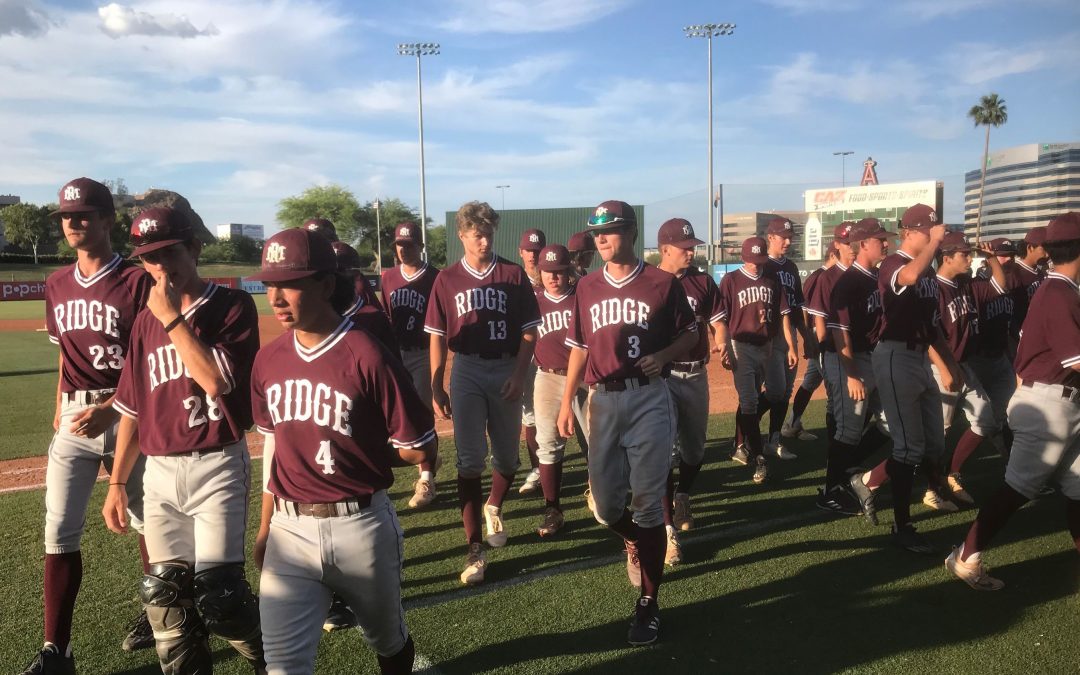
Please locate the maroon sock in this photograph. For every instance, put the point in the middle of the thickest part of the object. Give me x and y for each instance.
(669, 495)
(63, 576)
(801, 400)
(652, 544)
(1072, 516)
(903, 478)
(428, 466)
(992, 517)
(777, 413)
(551, 482)
(144, 554)
(878, 475)
(532, 445)
(751, 433)
(500, 485)
(687, 474)
(964, 447)
(400, 663)
(625, 527)
(471, 501)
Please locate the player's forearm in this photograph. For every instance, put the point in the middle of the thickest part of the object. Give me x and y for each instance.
(721, 337)
(266, 512)
(526, 348)
(413, 456)
(678, 349)
(820, 330)
(437, 360)
(199, 360)
(789, 331)
(575, 369)
(845, 352)
(944, 354)
(127, 450)
(269, 446)
(910, 273)
(59, 384)
(997, 272)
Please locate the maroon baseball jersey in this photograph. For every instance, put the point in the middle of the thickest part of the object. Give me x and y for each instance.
(908, 313)
(90, 318)
(371, 318)
(959, 300)
(334, 410)
(819, 288)
(555, 312)
(482, 312)
(995, 318)
(621, 320)
(364, 289)
(405, 300)
(855, 306)
(1050, 342)
(811, 282)
(1024, 281)
(704, 298)
(174, 412)
(787, 273)
(751, 306)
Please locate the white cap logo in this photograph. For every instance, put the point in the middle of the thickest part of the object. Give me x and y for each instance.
(551, 257)
(403, 232)
(275, 253)
(933, 216)
(70, 193)
(755, 249)
(601, 210)
(787, 225)
(313, 227)
(534, 238)
(687, 230)
(147, 226)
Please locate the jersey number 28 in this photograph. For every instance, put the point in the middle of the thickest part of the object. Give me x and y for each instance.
(195, 417)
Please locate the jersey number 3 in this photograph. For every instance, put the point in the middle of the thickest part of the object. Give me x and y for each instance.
(323, 458)
(634, 350)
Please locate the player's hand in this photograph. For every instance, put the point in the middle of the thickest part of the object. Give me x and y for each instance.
(856, 389)
(650, 365)
(513, 388)
(164, 300)
(441, 403)
(565, 423)
(56, 420)
(987, 249)
(792, 359)
(94, 421)
(948, 380)
(937, 233)
(728, 361)
(115, 509)
(259, 552)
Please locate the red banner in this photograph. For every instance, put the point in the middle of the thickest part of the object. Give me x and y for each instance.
(22, 290)
(228, 282)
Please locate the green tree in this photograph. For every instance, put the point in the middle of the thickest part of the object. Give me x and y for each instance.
(232, 250)
(28, 225)
(332, 202)
(990, 112)
(391, 213)
(119, 235)
(436, 246)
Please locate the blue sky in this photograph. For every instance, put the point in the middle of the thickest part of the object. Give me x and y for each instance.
(238, 104)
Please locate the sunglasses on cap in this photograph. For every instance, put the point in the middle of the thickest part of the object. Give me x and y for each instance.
(605, 219)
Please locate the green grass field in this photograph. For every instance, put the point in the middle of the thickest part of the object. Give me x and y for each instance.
(770, 585)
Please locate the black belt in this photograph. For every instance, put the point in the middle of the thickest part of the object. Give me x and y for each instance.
(687, 366)
(332, 510)
(623, 385)
(1070, 393)
(554, 371)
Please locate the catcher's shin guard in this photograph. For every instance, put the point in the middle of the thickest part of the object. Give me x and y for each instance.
(180, 637)
(230, 610)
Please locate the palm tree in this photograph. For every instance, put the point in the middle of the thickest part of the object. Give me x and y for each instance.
(990, 112)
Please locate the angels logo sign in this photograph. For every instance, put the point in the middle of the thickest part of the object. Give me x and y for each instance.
(275, 253)
(70, 193)
(534, 238)
(147, 225)
(551, 256)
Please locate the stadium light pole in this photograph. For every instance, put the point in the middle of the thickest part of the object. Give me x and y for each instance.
(419, 49)
(843, 165)
(502, 189)
(709, 31)
(378, 233)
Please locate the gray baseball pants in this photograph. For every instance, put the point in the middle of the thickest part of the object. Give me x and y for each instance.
(911, 401)
(480, 412)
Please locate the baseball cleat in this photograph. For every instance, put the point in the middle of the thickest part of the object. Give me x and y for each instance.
(741, 455)
(645, 625)
(552, 522)
(49, 661)
(838, 501)
(475, 564)
(974, 574)
(339, 617)
(496, 535)
(959, 494)
(633, 564)
(780, 451)
(681, 516)
(805, 435)
(590, 501)
(934, 501)
(790, 430)
(673, 555)
(140, 636)
(531, 484)
(423, 492)
(761, 470)
(865, 496)
(908, 539)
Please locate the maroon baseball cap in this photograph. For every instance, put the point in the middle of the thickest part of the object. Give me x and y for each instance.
(754, 250)
(612, 214)
(322, 226)
(781, 227)
(677, 232)
(842, 232)
(295, 253)
(408, 233)
(1036, 236)
(1065, 227)
(955, 242)
(581, 241)
(867, 228)
(532, 240)
(83, 195)
(158, 227)
(919, 217)
(1002, 246)
(347, 257)
(554, 258)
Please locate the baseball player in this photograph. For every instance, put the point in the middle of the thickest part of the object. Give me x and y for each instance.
(779, 369)
(629, 323)
(908, 327)
(582, 250)
(484, 310)
(960, 297)
(753, 309)
(184, 401)
(813, 377)
(90, 307)
(1045, 411)
(328, 230)
(405, 292)
(338, 410)
(689, 380)
(1027, 273)
(556, 302)
(532, 242)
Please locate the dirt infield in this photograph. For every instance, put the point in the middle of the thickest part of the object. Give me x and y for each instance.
(21, 325)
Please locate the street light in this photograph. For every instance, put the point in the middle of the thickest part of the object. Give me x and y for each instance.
(709, 31)
(843, 165)
(502, 189)
(419, 49)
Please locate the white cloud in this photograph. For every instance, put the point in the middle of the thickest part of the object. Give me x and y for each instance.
(976, 63)
(525, 16)
(119, 21)
(23, 17)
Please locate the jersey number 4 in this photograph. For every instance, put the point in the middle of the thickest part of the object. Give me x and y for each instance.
(323, 458)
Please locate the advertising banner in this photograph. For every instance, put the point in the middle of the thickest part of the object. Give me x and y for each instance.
(812, 238)
(22, 290)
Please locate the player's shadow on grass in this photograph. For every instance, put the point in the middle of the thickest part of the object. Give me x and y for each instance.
(222, 654)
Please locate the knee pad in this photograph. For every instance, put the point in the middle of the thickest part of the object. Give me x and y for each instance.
(226, 603)
(180, 636)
